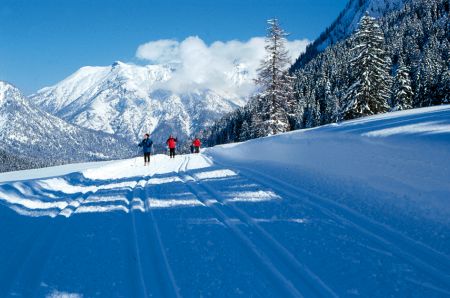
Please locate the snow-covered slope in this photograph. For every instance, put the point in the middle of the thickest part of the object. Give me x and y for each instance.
(29, 133)
(403, 155)
(356, 209)
(130, 100)
(346, 23)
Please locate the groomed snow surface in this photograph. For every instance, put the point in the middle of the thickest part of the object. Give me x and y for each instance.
(355, 209)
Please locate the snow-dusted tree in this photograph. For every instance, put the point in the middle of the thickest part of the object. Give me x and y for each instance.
(402, 92)
(369, 93)
(332, 102)
(312, 116)
(444, 89)
(276, 85)
(245, 132)
(291, 105)
(300, 91)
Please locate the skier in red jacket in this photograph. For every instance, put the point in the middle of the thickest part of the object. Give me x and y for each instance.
(172, 144)
(196, 143)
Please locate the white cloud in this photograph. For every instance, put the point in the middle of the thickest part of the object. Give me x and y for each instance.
(213, 66)
(163, 50)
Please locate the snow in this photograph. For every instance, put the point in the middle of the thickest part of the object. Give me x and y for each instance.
(4, 88)
(215, 174)
(58, 294)
(251, 196)
(95, 209)
(169, 203)
(28, 203)
(432, 127)
(356, 208)
(49, 171)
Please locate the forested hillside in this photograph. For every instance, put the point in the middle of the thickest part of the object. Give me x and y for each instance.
(409, 69)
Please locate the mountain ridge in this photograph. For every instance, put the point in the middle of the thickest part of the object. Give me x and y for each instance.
(130, 100)
(29, 133)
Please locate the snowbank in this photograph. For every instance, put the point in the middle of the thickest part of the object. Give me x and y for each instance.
(403, 155)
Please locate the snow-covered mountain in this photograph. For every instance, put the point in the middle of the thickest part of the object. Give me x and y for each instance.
(130, 100)
(346, 23)
(32, 134)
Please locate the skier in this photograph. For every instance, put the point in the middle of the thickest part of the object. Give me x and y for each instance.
(196, 143)
(146, 145)
(172, 144)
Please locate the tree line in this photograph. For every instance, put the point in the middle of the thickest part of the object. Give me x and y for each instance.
(398, 62)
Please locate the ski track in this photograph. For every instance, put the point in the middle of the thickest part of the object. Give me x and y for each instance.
(261, 259)
(268, 249)
(141, 287)
(169, 287)
(417, 254)
(151, 261)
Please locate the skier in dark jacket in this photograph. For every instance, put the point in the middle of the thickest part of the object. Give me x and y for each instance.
(196, 143)
(146, 145)
(172, 144)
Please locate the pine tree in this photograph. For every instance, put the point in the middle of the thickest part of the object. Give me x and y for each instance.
(276, 98)
(402, 91)
(444, 89)
(291, 105)
(369, 93)
(300, 87)
(332, 102)
(312, 112)
(245, 132)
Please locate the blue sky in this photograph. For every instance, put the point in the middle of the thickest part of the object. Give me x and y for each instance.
(42, 42)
